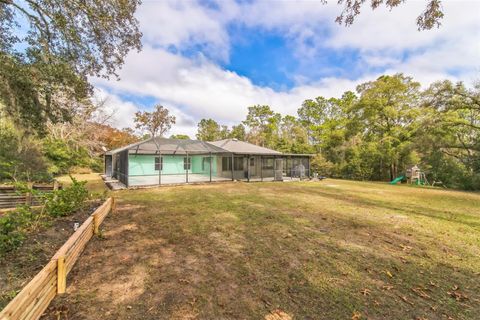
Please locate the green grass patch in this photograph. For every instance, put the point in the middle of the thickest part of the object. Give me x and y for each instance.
(318, 250)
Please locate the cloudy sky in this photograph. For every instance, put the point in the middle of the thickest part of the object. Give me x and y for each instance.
(213, 59)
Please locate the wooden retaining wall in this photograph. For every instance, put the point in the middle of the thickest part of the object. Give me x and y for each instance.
(35, 297)
(10, 198)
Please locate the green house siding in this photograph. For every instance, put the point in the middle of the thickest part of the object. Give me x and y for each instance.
(139, 165)
(200, 166)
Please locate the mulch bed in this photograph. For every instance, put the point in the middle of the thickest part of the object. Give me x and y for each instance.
(18, 267)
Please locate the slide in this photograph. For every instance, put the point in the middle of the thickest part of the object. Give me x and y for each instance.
(396, 180)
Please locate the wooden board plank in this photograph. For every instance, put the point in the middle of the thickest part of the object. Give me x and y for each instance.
(30, 291)
(40, 304)
(78, 249)
(73, 238)
(35, 297)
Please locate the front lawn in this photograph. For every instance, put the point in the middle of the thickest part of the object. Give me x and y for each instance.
(312, 250)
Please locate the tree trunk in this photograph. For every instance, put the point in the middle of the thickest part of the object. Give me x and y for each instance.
(393, 171)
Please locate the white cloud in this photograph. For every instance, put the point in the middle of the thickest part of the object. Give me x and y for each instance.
(183, 25)
(121, 111)
(197, 87)
(382, 29)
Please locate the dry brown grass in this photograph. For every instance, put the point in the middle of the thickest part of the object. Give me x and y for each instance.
(318, 250)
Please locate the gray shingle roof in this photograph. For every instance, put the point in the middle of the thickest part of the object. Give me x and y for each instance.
(170, 146)
(179, 146)
(241, 147)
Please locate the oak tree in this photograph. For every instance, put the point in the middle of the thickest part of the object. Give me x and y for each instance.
(156, 123)
(49, 48)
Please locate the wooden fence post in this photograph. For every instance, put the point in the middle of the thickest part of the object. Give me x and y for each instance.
(113, 205)
(35, 297)
(28, 198)
(61, 275)
(55, 185)
(28, 195)
(95, 223)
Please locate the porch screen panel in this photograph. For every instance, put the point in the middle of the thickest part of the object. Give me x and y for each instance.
(268, 168)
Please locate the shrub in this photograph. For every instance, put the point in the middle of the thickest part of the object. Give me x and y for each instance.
(66, 201)
(14, 224)
(13, 227)
(20, 156)
(64, 157)
(322, 166)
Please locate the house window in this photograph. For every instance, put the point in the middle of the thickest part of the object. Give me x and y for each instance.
(252, 162)
(238, 163)
(268, 163)
(226, 163)
(206, 163)
(187, 165)
(158, 163)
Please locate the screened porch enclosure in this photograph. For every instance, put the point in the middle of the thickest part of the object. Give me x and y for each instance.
(163, 161)
(277, 168)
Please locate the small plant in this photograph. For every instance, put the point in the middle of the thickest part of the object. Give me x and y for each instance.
(66, 201)
(15, 224)
(13, 227)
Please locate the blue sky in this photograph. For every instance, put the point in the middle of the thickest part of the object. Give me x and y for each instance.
(213, 59)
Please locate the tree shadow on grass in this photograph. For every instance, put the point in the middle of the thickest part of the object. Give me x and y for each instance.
(322, 279)
(471, 220)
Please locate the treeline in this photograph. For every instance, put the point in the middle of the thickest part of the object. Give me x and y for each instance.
(376, 133)
(64, 147)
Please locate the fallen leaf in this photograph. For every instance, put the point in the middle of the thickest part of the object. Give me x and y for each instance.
(389, 273)
(356, 315)
(365, 292)
(421, 293)
(387, 288)
(458, 295)
(406, 300)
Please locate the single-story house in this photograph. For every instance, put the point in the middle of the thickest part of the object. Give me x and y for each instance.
(159, 161)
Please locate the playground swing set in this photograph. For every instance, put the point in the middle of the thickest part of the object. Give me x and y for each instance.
(413, 175)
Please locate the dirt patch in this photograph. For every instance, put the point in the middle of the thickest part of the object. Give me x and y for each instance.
(278, 315)
(120, 229)
(17, 268)
(125, 288)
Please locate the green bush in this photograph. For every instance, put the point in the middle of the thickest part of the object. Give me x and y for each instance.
(13, 227)
(20, 156)
(64, 157)
(66, 201)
